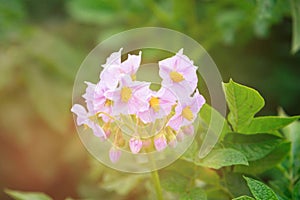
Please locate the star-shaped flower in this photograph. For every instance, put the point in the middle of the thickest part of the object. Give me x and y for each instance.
(85, 118)
(130, 97)
(160, 105)
(186, 112)
(114, 68)
(179, 74)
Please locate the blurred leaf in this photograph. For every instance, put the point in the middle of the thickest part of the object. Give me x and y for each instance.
(121, 184)
(236, 184)
(218, 158)
(12, 13)
(295, 9)
(243, 198)
(267, 162)
(259, 190)
(17, 195)
(267, 124)
(94, 11)
(243, 103)
(50, 98)
(296, 190)
(174, 182)
(193, 194)
(254, 147)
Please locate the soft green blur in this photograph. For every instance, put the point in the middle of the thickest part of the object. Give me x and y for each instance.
(42, 44)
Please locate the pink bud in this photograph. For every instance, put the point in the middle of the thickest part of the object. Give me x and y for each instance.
(146, 143)
(160, 142)
(135, 145)
(188, 130)
(114, 154)
(173, 142)
(180, 135)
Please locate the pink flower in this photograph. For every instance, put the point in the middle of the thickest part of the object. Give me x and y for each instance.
(130, 97)
(84, 118)
(96, 101)
(186, 112)
(114, 154)
(160, 105)
(135, 145)
(179, 74)
(188, 130)
(114, 69)
(113, 59)
(160, 142)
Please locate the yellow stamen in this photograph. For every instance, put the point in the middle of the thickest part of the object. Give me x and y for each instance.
(133, 77)
(126, 94)
(176, 77)
(154, 103)
(108, 103)
(187, 113)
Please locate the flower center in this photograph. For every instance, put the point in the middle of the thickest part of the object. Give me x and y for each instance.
(187, 113)
(108, 103)
(154, 103)
(176, 77)
(126, 94)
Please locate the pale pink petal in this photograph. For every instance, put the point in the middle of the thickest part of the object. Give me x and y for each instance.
(135, 145)
(160, 143)
(113, 59)
(131, 65)
(188, 130)
(110, 76)
(114, 154)
(81, 113)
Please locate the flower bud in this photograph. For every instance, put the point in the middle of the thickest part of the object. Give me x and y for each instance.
(135, 145)
(160, 142)
(180, 135)
(188, 130)
(114, 154)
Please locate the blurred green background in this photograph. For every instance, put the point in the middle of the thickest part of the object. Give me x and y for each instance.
(42, 44)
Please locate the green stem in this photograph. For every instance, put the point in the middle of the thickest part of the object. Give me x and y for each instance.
(157, 186)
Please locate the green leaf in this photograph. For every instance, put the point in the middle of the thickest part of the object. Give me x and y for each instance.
(267, 124)
(259, 190)
(254, 147)
(193, 194)
(218, 158)
(244, 198)
(269, 161)
(17, 195)
(213, 126)
(174, 182)
(236, 184)
(243, 102)
(296, 190)
(295, 9)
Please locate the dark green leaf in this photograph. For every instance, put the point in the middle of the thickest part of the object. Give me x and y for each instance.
(243, 103)
(218, 158)
(259, 190)
(267, 124)
(254, 147)
(269, 161)
(296, 191)
(236, 184)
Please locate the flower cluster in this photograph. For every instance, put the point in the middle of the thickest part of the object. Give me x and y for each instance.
(118, 95)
